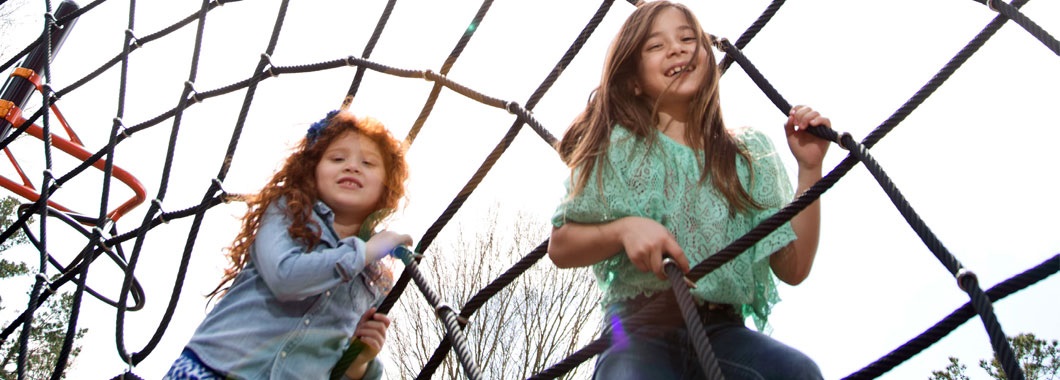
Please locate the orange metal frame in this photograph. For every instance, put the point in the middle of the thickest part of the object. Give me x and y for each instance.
(71, 146)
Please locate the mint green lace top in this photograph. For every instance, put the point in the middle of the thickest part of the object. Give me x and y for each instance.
(660, 181)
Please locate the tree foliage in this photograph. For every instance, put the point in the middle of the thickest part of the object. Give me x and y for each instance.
(49, 322)
(1039, 359)
(541, 318)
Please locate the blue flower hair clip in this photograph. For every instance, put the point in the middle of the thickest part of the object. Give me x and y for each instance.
(317, 127)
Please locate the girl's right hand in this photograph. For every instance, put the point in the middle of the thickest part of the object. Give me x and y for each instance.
(383, 243)
(646, 242)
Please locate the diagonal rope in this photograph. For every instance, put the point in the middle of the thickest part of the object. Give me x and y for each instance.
(708, 363)
(449, 61)
(935, 333)
(1011, 11)
(752, 31)
(379, 25)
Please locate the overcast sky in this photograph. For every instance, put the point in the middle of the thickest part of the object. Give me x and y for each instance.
(977, 160)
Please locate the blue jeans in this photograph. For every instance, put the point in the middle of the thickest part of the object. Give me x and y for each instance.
(664, 351)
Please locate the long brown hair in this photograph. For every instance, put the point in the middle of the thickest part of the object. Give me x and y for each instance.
(295, 182)
(615, 101)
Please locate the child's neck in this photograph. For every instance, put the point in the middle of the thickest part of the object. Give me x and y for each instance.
(673, 127)
(347, 228)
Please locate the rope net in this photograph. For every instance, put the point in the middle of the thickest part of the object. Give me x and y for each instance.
(79, 197)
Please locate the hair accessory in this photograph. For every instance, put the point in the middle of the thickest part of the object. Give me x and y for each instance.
(315, 129)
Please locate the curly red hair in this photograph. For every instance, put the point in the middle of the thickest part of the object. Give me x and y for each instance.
(295, 182)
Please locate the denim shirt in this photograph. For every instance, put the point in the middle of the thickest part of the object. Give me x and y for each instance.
(291, 311)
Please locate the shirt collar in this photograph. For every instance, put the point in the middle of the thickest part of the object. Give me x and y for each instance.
(323, 210)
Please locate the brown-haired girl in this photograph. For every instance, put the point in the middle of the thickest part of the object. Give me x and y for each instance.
(304, 272)
(655, 174)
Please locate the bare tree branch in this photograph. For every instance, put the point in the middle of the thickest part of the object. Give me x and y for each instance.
(542, 317)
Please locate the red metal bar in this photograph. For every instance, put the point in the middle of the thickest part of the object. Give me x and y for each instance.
(73, 147)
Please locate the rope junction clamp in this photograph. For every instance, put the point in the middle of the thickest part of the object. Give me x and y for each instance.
(194, 94)
(161, 213)
(48, 286)
(965, 273)
(132, 38)
(438, 310)
(668, 261)
(124, 131)
(268, 61)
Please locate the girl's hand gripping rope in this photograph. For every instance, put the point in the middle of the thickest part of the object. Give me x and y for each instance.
(383, 243)
(809, 150)
(647, 242)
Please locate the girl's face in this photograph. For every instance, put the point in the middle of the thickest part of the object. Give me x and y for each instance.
(669, 63)
(350, 177)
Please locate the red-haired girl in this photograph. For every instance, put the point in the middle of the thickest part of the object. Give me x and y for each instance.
(303, 269)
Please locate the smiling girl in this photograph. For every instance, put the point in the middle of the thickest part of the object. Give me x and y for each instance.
(302, 267)
(654, 174)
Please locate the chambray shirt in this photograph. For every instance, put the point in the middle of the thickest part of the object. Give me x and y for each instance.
(291, 311)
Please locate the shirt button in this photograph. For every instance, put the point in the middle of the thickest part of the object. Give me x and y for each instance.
(307, 322)
(283, 354)
(327, 293)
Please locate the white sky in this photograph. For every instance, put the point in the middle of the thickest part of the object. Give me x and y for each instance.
(977, 160)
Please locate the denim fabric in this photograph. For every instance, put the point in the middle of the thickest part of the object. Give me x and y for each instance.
(664, 351)
(291, 311)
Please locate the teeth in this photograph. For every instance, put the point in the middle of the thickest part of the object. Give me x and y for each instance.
(679, 69)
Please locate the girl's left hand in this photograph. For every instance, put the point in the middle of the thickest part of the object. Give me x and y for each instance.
(809, 150)
(371, 330)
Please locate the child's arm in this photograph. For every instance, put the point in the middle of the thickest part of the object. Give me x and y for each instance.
(644, 240)
(793, 262)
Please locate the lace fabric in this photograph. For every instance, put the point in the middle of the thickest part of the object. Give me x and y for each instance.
(660, 180)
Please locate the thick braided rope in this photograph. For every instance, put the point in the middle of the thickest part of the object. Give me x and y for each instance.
(452, 326)
(40, 112)
(707, 362)
(139, 42)
(958, 317)
(479, 299)
(66, 276)
(41, 277)
(449, 61)
(367, 52)
(156, 204)
(524, 117)
(1012, 12)
(101, 220)
(213, 189)
(752, 31)
(1002, 349)
(96, 236)
(997, 337)
(69, 275)
(62, 21)
(786, 213)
